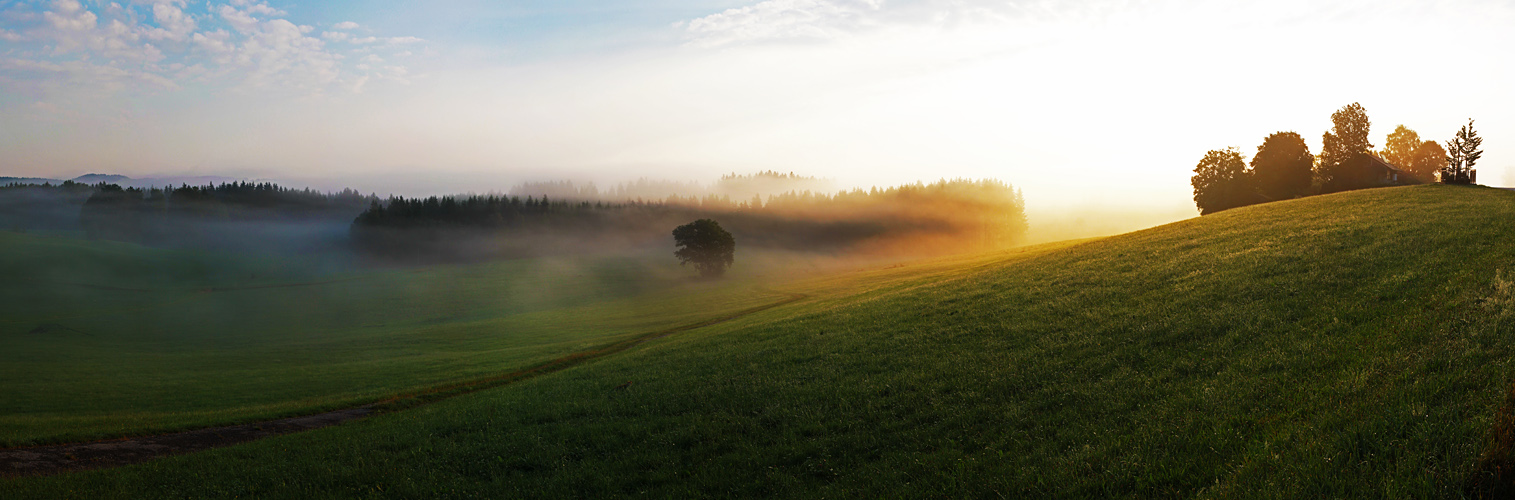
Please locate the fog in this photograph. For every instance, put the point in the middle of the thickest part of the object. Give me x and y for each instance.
(1098, 220)
(766, 211)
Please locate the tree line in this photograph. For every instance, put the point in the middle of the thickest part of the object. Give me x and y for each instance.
(163, 214)
(972, 213)
(947, 215)
(1284, 168)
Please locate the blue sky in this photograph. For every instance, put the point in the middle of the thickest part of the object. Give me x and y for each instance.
(1087, 102)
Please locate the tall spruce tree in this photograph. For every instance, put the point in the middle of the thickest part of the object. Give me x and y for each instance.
(1463, 152)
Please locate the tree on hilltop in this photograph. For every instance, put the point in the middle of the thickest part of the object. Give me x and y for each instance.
(1341, 148)
(1400, 147)
(1221, 181)
(1283, 166)
(707, 245)
(1429, 158)
(1463, 152)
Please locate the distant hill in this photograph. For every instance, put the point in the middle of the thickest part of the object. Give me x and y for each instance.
(199, 180)
(124, 181)
(99, 178)
(152, 182)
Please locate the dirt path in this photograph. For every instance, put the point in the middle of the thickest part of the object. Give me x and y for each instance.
(54, 459)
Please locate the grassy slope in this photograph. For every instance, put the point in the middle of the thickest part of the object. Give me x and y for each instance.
(103, 339)
(1341, 346)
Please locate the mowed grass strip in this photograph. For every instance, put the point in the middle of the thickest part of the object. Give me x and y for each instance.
(1350, 345)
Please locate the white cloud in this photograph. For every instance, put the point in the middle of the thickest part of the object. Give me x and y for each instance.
(372, 58)
(782, 19)
(68, 15)
(74, 29)
(84, 73)
(256, 7)
(279, 50)
(263, 8)
(357, 84)
(173, 23)
(404, 40)
(239, 20)
(153, 43)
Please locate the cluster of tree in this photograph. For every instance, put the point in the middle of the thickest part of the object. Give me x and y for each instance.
(1421, 158)
(968, 213)
(1283, 167)
(229, 215)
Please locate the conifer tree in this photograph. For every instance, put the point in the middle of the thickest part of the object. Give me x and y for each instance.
(1463, 152)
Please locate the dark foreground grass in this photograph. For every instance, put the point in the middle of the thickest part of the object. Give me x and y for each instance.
(1352, 345)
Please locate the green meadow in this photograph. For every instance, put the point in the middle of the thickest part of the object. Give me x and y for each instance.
(1347, 345)
(108, 339)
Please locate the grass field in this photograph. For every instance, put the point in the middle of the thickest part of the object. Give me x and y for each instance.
(104, 339)
(1349, 345)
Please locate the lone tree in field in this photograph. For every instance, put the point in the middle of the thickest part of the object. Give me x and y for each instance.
(1462, 153)
(1341, 149)
(1221, 181)
(705, 244)
(1283, 167)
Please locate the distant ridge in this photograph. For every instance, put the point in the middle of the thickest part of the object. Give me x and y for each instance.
(5, 181)
(126, 182)
(99, 178)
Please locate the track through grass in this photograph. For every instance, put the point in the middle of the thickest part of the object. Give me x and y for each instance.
(161, 341)
(72, 457)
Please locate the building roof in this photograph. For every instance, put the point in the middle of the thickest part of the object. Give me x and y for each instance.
(1375, 160)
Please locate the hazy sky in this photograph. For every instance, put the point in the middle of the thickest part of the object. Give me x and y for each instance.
(1102, 102)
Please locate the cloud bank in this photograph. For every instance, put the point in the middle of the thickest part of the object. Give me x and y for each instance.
(170, 44)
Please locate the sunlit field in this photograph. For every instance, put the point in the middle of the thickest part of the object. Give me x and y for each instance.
(1346, 345)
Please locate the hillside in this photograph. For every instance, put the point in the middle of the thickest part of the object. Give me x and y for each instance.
(1346, 345)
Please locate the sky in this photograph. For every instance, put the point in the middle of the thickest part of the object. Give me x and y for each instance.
(1081, 103)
